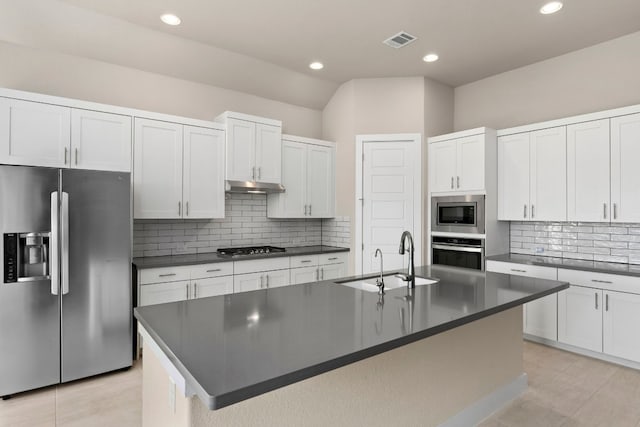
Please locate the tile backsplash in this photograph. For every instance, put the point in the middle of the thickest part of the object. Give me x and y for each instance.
(245, 224)
(578, 240)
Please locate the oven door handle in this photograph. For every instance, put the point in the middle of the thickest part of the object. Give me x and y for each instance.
(458, 248)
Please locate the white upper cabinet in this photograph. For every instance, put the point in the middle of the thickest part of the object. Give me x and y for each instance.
(203, 173)
(513, 177)
(457, 165)
(588, 192)
(548, 175)
(34, 134)
(178, 171)
(254, 148)
(157, 170)
(625, 171)
(100, 141)
(268, 153)
(308, 175)
(532, 175)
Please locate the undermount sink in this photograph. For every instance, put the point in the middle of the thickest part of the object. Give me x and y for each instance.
(391, 281)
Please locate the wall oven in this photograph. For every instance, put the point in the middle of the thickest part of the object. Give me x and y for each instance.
(458, 252)
(458, 214)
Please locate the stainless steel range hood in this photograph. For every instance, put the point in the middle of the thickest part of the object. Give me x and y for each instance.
(253, 187)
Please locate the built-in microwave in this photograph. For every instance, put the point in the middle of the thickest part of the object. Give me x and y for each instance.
(458, 214)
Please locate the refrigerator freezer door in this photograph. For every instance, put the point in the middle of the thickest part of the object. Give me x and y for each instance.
(29, 313)
(96, 306)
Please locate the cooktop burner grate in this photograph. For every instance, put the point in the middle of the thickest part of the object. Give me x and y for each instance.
(250, 250)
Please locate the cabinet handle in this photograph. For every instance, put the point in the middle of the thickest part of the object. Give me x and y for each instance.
(596, 300)
(167, 275)
(65, 155)
(187, 286)
(267, 281)
(615, 211)
(533, 212)
(259, 172)
(261, 284)
(317, 273)
(179, 209)
(601, 281)
(525, 210)
(321, 273)
(305, 261)
(606, 302)
(452, 183)
(518, 271)
(604, 210)
(305, 209)
(195, 290)
(187, 208)
(333, 258)
(310, 210)
(458, 181)
(214, 270)
(76, 156)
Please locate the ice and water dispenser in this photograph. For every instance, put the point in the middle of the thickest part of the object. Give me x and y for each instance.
(26, 257)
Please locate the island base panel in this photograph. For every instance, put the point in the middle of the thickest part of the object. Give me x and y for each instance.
(423, 383)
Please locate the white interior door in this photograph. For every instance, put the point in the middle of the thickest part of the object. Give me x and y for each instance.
(388, 178)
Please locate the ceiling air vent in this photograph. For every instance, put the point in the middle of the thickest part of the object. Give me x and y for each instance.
(399, 40)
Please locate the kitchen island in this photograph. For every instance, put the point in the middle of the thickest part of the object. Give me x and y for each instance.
(327, 354)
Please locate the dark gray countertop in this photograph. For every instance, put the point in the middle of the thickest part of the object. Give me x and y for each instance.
(233, 347)
(207, 258)
(571, 264)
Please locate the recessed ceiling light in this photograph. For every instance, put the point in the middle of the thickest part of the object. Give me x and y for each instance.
(170, 19)
(316, 65)
(551, 7)
(432, 57)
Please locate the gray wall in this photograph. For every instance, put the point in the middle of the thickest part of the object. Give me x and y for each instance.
(596, 78)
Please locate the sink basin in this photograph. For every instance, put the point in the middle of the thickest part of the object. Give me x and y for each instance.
(391, 281)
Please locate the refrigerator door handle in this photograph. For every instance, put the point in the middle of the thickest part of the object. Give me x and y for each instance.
(64, 242)
(54, 259)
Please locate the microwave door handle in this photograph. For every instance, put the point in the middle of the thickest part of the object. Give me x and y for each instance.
(458, 248)
(54, 255)
(64, 241)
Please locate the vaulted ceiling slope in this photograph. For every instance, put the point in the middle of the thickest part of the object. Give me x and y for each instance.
(264, 47)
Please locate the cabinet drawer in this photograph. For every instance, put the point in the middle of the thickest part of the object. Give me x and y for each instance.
(537, 271)
(164, 274)
(335, 258)
(304, 261)
(611, 282)
(252, 266)
(211, 270)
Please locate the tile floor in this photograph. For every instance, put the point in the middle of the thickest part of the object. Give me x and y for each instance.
(564, 390)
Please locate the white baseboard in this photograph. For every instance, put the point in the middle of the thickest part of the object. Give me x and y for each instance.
(478, 411)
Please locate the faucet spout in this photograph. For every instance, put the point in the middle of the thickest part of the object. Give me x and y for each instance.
(411, 276)
(380, 280)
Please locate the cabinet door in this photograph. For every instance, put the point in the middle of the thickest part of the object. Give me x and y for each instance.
(157, 177)
(620, 322)
(333, 271)
(203, 173)
(470, 163)
(541, 317)
(548, 180)
(625, 173)
(161, 293)
(248, 282)
(268, 153)
(442, 164)
(34, 134)
(241, 143)
(304, 275)
(100, 141)
(211, 287)
(588, 171)
(513, 177)
(321, 182)
(292, 203)
(580, 317)
(277, 278)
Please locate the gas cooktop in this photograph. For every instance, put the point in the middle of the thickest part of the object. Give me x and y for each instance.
(250, 250)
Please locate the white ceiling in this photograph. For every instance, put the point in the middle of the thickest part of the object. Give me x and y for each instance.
(264, 47)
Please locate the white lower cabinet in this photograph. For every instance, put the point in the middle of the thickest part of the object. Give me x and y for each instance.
(332, 271)
(621, 322)
(160, 293)
(580, 317)
(260, 280)
(303, 275)
(211, 287)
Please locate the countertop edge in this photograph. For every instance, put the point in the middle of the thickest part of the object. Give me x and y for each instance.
(507, 258)
(221, 401)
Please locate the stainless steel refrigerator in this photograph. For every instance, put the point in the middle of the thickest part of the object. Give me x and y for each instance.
(65, 294)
